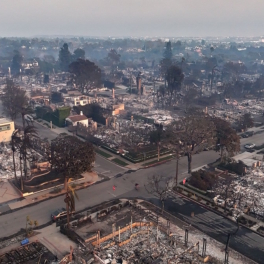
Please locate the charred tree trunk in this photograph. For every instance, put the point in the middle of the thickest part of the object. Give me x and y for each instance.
(24, 150)
(221, 153)
(67, 201)
(158, 151)
(162, 204)
(21, 173)
(65, 183)
(14, 166)
(189, 157)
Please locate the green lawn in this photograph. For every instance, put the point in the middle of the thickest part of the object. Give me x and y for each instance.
(119, 162)
(106, 155)
(155, 161)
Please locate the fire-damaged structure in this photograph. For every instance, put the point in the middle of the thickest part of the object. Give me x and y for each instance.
(132, 232)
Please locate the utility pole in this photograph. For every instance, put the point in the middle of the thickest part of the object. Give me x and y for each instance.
(130, 83)
(177, 167)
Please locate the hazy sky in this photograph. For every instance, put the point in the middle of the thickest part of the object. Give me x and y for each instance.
(132, 17)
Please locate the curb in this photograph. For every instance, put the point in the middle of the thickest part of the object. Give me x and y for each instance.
(25, 194)
(122, 167)
(17, 190)
(38, 202)
(158, 163)
(217, 212)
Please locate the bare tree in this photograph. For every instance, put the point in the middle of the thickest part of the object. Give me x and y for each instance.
(193, 131)
(13, 100)
(159, 186)
(197, 131)
(226, 138)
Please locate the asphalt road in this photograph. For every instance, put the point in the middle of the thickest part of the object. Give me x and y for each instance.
(124, 182)
(257, 139)
(245, 242)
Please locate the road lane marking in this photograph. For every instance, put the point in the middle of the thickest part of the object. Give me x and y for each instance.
(112, 194)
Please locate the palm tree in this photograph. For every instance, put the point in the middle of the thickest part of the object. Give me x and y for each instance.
(70, 200)
(26, 144)
(15, 143)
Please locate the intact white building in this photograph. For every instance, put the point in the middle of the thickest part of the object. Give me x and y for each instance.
(7, 128)
(75, 119)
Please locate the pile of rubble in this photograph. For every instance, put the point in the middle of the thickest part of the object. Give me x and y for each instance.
(143, 241)
(244, 193)
(149, 245)
(31, 253)
(6, 162)
(252, 187)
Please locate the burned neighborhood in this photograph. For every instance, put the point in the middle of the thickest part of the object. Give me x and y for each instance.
(131, 132)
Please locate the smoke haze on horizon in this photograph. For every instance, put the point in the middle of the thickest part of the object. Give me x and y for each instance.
(102, 18)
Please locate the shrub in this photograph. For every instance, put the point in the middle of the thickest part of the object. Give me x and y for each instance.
(242, 220)
(202, 180)
(55, 190)
(73, 185)
(236, 167)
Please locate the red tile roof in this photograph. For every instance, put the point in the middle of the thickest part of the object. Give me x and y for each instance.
(76, 118)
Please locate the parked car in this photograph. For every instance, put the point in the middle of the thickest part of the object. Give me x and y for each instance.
(249, 145)
(244, 135)
(247, 134)
(59, 213)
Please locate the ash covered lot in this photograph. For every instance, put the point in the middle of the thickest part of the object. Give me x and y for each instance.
(131, 232)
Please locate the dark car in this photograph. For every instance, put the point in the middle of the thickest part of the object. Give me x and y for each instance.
(59, 213)
(244, 135)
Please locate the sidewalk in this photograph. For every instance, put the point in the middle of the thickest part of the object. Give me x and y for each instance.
(55, 241)
(51, 238)
(89, 179)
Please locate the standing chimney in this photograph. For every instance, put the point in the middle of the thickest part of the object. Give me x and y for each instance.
(139, 84)
(113, 93)
(81, 112)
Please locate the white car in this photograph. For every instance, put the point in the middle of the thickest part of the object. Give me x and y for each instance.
(249, 145)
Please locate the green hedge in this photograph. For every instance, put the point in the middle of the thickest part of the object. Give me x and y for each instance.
(106, 155)
(236, 167)
(149, 155)
(57, 117)
(115, 151)
(62, 113)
